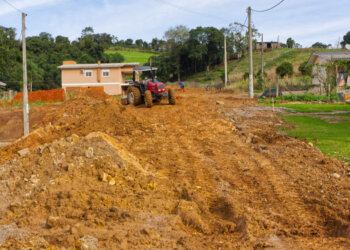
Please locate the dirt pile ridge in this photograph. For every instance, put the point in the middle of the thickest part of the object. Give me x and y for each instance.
(195, 175)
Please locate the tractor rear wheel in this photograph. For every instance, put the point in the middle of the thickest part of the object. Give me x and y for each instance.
(134, 95)
(148, 99)
(171, 96)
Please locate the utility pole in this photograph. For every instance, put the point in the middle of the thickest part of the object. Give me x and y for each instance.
(251, 80)
(262, 61)
(25, 80)
(225, 58)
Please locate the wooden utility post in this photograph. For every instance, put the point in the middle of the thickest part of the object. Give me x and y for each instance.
(25, 80)
(251, 80)
(225, 59)
(262, 61)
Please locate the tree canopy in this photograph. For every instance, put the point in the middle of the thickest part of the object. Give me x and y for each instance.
(285, 69)
(346, 39)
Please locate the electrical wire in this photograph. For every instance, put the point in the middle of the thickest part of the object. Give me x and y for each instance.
(246, 19)
(269, 8)
(191, 11)
(14, 7)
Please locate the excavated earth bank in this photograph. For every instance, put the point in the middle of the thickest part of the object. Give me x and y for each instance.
(211, 172)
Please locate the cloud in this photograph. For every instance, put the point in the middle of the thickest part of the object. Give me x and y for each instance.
(22, 5)
(305, 21)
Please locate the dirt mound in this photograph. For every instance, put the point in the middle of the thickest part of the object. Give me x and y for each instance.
(194, 175)
(95, 92)
(80, 115)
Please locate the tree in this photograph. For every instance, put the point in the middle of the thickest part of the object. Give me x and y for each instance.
(285, 69)
(346, 39)
(179, 34)
(305, 70)
(320, 45)
(112, 58)
(87, 31)
(290, 43)
(139, 43)
(129, 42)
(176, 37)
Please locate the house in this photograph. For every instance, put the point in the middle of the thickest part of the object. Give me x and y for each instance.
(317, 59)
(267, 45)
(110, 76)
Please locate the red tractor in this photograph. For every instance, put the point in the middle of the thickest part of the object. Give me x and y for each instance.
(148, 91)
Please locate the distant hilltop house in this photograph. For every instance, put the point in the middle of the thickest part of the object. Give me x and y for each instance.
(267, 45)
(317, 59)
(110, 76)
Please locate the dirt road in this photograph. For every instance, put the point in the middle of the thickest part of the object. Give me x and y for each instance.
(211, 172)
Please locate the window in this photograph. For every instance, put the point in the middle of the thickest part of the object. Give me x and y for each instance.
(105, 73)
(88, 73)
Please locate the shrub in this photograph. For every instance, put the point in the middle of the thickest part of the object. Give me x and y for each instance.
(284, 69)
(305, 70)
(308, 98)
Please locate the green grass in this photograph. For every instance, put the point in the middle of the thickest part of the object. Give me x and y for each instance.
(133, 56)
(332, 139)
(310, 108)
(272, 59)
(31, 104)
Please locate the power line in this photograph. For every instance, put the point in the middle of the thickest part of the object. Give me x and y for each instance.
(14, 7)
(246, 19)
(191, 11)
(269, 8)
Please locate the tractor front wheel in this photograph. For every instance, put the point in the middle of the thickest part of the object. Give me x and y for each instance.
(148, 99)
(134, 95)
(171, 96)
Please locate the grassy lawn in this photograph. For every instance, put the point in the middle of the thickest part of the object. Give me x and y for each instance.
(310, 108)
(134, 56)
(332, 139)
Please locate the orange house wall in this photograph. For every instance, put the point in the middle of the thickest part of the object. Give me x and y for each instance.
(116, 75)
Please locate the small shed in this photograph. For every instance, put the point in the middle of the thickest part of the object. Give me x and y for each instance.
(317, 59)
(267, 45)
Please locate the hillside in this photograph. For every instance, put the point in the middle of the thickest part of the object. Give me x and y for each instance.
(133, 55)
(273, 58)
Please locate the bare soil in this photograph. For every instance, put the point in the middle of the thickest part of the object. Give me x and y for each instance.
(210, 172)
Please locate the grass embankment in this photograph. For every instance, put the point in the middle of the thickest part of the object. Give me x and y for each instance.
(272, 58)
(133, 55)
(329, 132)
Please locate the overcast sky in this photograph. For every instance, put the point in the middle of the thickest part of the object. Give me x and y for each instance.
(306, 21)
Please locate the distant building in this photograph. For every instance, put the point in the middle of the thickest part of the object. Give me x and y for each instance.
(110, 76)
(267, 45)
(317, 59)
(2, 84)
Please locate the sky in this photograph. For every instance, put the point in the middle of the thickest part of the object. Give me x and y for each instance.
(306, 21)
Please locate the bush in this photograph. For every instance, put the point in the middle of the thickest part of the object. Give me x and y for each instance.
(305, 70)
(284, 69)
(308, 98)
(246, 76)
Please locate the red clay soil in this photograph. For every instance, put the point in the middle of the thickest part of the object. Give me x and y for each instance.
(54, 95)
(197, 175)
(11, 121)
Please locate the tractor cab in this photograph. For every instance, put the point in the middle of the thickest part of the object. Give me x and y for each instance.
(147, 91)
(150, 83)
